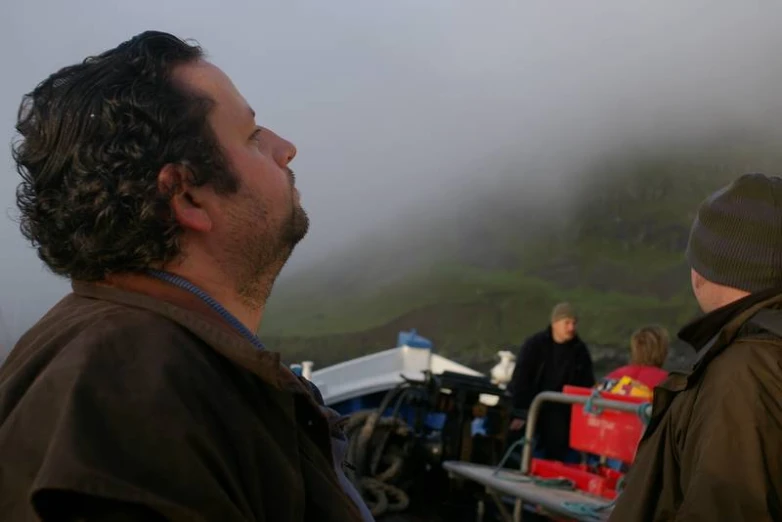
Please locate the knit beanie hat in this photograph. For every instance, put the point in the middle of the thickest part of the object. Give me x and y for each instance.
(736, 238)
(562, 311)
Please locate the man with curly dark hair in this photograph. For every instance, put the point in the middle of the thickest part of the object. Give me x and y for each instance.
(144, 394)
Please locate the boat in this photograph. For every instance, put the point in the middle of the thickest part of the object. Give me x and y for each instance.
(428, 439)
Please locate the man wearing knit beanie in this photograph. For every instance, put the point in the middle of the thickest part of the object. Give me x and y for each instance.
(713, 448)
(547, 361)
(563, 311)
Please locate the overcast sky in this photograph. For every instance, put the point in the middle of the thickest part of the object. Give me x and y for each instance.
(400, 103)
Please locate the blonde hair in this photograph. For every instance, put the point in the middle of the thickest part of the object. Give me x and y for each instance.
(649, 346)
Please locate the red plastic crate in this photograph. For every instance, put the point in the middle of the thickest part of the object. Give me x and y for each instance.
(602, 484)
(611, 434)
(611, 477)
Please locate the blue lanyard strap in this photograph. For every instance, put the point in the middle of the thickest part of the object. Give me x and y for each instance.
(184, 284)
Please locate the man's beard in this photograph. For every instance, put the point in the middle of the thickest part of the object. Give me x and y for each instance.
(255, 253)
(299, 222)
(297, 226)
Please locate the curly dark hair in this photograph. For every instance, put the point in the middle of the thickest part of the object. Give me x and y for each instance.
(94, 137)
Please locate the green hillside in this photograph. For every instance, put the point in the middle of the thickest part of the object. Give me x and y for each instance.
(481, 284)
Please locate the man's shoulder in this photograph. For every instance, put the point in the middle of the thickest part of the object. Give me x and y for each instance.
(539, 338)
(749, 361)
(81, 323)
(580, 344)
(738, 385)
(759, 345)
(136, 389)
(102, 340)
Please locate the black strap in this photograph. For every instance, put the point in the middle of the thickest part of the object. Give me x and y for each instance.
(765, 320)
(769, 320)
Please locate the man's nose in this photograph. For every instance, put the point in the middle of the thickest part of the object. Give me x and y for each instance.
(284, 152)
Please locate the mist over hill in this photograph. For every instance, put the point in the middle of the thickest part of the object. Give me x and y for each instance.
(483, 274)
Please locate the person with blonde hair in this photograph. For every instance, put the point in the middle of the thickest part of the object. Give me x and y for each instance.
(648, 351)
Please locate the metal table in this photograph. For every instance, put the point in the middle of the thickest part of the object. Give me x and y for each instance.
(549, 500)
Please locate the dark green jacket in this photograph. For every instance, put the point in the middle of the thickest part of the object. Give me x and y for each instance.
(142, 404)
(713, 449)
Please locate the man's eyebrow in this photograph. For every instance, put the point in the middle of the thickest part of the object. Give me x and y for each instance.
(251, 111)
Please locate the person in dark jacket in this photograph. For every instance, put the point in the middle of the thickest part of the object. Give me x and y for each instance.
(547, 361)
(145, 395)
(712, 450)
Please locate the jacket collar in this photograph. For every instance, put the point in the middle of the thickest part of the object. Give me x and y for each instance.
(709, 334)
(184, 308)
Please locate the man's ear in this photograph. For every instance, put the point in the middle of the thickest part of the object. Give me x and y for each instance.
(186, 205)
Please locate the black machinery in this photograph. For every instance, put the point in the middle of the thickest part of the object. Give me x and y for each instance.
(397, 449)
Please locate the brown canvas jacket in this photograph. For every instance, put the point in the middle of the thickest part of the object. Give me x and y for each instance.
(135, 401)
(713, 449)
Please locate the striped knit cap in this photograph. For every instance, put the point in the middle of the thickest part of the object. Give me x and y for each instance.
(736, 238)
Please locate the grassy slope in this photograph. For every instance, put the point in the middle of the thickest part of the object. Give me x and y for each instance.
(618, 258)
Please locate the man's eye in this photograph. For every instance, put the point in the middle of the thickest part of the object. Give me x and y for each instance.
(256, 134)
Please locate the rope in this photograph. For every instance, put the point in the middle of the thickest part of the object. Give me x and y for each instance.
(553, 483)
(586, 510)
(589, 407)
(514, 476)
(521, 442)
(644, 413)
(370, 444)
